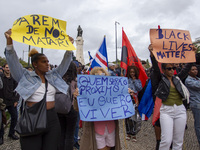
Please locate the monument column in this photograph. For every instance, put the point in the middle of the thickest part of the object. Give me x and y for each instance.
(79, 46)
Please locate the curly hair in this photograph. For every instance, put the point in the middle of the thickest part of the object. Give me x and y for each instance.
(71, 73)
(96, 69)
(35, 55)
(135, 69)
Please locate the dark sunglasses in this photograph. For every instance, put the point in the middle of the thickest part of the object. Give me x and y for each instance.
(170, 68)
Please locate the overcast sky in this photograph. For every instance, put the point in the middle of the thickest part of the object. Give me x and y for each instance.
(97, 18)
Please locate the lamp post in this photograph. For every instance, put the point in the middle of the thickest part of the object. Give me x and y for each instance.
(116, 39)
(23, 54)
(29, 48)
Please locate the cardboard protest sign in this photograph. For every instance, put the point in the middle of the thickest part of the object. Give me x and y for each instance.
(104, 98)
(41, 31)
(172, 46)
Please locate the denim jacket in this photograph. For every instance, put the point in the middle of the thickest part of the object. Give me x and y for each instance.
(193, 85)
(135, 85)
(29, 82)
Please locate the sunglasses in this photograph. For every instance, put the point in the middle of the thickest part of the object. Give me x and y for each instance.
(170, 68)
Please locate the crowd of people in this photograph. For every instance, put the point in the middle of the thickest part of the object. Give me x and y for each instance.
(175, 84)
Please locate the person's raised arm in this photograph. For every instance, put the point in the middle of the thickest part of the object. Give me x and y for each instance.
(153, 60)
(8, 37)
(12, 59)
(64, 65)
(155, 74)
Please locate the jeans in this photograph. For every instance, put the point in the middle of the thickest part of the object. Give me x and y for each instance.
(68, 124)
(13, 114)
(76, 129)
(196, 114)
(48, 140)
(172, 121)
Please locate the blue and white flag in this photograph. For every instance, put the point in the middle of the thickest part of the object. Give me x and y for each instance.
(100, 59)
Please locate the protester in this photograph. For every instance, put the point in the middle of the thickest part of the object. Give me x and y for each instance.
(76, 137)
(2, 107)
(198, 63)
(29, 68)
(68, 121)
(111, 69)
(101, 135)
(134, 85)
(193, 84)
(118, 70)
(31, 87)
(1, 71)
(172, 111)
(86, 69)
(10, 98)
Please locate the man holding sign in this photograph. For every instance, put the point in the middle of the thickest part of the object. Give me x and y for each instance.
(170, 88)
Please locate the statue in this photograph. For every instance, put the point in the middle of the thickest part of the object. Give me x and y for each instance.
(80, 31)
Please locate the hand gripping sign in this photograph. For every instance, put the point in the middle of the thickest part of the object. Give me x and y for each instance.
(172, 46)
(104, 98)
(41, 31)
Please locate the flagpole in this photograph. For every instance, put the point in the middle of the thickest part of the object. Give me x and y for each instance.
(116, 39)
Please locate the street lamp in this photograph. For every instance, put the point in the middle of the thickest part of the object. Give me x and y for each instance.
(116, 38)
(29, 48)
(23, 54)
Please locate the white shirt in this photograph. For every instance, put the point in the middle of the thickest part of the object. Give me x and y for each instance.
(39, 94)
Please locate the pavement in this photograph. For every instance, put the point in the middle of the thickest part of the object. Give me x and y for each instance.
(145, 138)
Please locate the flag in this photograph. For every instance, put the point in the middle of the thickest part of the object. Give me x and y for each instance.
(90, 57)
(129, 58)
(100, 59)
(146, 105)
(90, 62)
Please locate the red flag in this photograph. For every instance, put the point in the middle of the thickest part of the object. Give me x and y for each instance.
(129, 58)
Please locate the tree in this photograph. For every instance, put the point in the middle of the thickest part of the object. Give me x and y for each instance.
(3, 61)
(198, 47)
(147, 64)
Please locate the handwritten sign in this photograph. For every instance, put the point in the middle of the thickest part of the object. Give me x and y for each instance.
(41, 31)
(172, 46)
(104, 98)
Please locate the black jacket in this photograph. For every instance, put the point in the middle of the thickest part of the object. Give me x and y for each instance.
(7, 93)
(161, 84)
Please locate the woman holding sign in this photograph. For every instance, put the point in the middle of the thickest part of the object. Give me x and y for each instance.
(101, 135)
(171, 91)
(31, 87)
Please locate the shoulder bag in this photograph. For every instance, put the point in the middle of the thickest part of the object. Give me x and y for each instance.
(34, 119)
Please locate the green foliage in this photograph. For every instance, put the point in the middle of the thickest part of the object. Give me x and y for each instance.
(147, 64)
(3, 61)
(198, 48)
(24, 64)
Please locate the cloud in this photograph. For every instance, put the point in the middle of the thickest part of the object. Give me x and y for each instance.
(97, 18)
